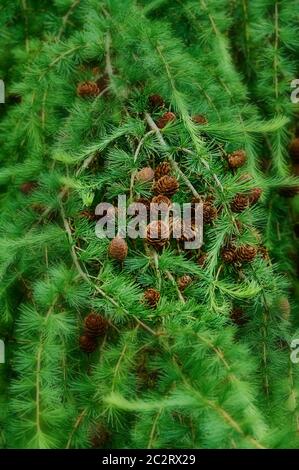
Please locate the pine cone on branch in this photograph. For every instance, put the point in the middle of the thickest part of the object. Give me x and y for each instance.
(145, 174)
(202, 259)
(118, 249)
(209, 213)
(237, 159)
(144, 201)
(166, 185)
(103, 83)
(199, 119)
(162, 169)
(165, 119)
(28, 187)
(87, 343)
(100, 436)
(156, 101)
(95, 325)
(228, 254)
(160, 199)
(184, 281)
(246, 253)
(238, 317)
(188, 233)
(255, 195)
(157, 233)
(87, 89)
(240, 203)
(151, 297)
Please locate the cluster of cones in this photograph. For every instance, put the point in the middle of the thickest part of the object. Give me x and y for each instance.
(95, 326)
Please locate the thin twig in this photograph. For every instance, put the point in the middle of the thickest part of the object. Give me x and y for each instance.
(109, 69)
(176, 167)
(171, 278)
(86, 277)
(66, 18)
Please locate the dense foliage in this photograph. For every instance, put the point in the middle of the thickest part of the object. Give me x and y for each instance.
(190, 372)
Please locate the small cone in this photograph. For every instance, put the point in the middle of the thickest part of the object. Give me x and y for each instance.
(162, 169)
(87, 343)
(95, 325)
(184, 281)
(237, 159)
(146, 174)
(228, 254)
(100, 436)
(157, 233)
(165, 119)
(246, 253)
(28, 187)
(209, 213)
(160, 199)
(118, 249)
(151, 297)
(238, 317)
(199, 119)
(255, 195)
(87, 89)
(240, 203)
(156, 101)
(167, 185)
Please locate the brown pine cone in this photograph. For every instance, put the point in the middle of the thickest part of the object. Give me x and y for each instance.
(240, 203)
(160, 199)
(118, 249)
(99, 436)
(228, 254)
(209, 213)
(103, 83)
(156, 101)
(87, 343)
(144, 201)
(254, 195)
(237, 159)
(199, 119)
(165, 119)
(151, 297)
(95, 325)
(188, 231)
(294, 149)
(28, 187)
(146, 174)
(184, 281)
(246, 253)
(167, 185)
(238, 317)
(162, 169)
(201, 260)
(88, 88)
(157, 233)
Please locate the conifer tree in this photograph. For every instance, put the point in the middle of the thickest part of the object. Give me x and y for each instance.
(139, 343)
